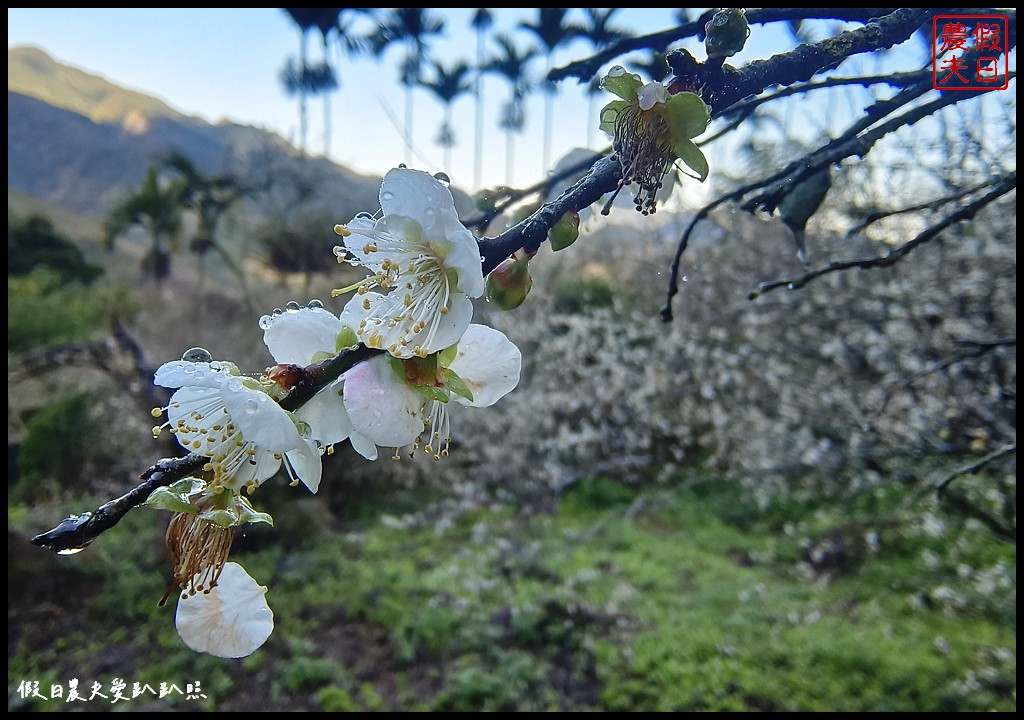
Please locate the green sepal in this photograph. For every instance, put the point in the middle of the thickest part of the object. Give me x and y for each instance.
(688, 115)
(457, 385)
(431, 393)
(346, 338)
(691, 155)
(320, 356)
(175, 497)
(396, 367)
(447, 356)
(610, 114)
(622, 83)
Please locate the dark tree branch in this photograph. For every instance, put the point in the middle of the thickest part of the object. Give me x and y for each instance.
(895, 80)
(782, 181)
(1001, 187)
(77, 531)
(873, 217)
(725, 86)
(587, 68)
(510, 197)
(532, 232)
(943, 485)
(980, 348)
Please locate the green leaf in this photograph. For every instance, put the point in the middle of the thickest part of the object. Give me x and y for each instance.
(688, 116)
(691, 155)
(457, 385)
(610, 114)
(622, 83)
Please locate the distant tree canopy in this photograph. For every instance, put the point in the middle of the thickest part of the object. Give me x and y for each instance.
(34, 242)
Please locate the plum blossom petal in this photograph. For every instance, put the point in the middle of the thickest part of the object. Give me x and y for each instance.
(295, 337)
(383, 408)
(232, 620)
(424, 259)
(489, 363)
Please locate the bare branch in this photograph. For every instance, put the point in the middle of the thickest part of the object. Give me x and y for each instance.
(77, 531)
(1001, 187)
(980, 349)
(587, 68)
(942, 486)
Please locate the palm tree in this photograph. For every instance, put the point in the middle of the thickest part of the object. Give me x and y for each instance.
(412, 26)
(481, 23)
(511, 65)
(209, 197)
(597, 28)
(447, 84)
(157, 207)
(552, 32)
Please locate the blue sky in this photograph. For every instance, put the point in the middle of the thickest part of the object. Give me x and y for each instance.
(224, 63)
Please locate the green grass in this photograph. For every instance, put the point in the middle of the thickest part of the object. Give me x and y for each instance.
(676, 598)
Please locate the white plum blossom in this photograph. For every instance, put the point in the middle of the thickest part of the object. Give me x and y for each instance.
(234, 422)
(424, 261)
(231, 620)
(303, 337)
(395, 403)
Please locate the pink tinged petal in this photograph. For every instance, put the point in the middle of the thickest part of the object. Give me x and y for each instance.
(651, 94)
(182, 373)
(417, 195)
(231, 621)
(383, 409)
(295, 337)
(260, 420)
(489, 363)
(305, 463)
(326, 416)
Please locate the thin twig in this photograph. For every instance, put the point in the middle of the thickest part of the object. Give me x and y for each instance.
(940, 487)
(1002, 186)
(980, 348)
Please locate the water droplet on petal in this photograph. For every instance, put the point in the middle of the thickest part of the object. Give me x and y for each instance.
(235, 384)
(265, 322)
(315, 305)
(251, 405)
(292, 306)
(443, 178)
(277, 312)
(199, 374)
(402, 166)
(197, 354)
(387, 196)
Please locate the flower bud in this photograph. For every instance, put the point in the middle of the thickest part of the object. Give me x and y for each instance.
(510, 282)
(565, 231)
(726, 33)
